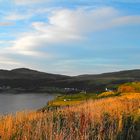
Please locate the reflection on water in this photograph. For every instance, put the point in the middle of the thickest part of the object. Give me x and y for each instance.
(10, 103)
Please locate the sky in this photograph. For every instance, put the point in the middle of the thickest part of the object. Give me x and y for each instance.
(70, 37)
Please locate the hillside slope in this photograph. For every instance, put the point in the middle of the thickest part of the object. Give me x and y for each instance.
(31, 80)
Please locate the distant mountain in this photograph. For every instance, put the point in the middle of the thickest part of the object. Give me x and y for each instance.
(28, 80)
(24, 73)
(129, 74)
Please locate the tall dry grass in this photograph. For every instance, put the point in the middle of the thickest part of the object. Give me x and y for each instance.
(114, 118)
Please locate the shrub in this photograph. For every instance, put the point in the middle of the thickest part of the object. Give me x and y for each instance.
(126, 89)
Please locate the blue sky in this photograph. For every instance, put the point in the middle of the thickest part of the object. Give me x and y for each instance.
(70, 37)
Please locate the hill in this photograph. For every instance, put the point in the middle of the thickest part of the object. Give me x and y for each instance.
(24, 73)
(28, 80)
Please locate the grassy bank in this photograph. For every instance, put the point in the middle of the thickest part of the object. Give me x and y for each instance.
(71, 99)
(75, 99)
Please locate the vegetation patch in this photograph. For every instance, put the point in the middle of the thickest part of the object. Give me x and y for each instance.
(108, 94)
(129, 87)
(72, 99)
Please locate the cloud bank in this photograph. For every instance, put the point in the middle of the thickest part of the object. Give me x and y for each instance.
(68, 25)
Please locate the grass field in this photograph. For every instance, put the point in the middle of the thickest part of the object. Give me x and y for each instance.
(73, 99)
(110, 118)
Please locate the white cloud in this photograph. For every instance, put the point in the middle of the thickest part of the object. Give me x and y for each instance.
(6, 23)
(17, 16)
(87, 66)
(8, 59)
(2, 42)
(7, 62)
(66, 26)
(84, 21)
(124, 20)
(26, 2)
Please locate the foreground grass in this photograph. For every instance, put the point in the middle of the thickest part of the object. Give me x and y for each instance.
(113, 118)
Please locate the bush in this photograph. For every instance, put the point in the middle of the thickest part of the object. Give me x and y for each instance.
(129, 87)
(126, 89)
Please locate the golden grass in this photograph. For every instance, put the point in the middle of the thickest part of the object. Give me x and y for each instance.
(106, 94)
(103, 119)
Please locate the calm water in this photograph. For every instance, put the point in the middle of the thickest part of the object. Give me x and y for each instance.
(11, 103)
